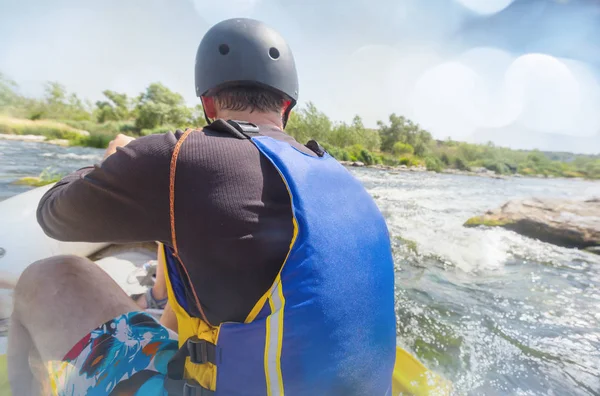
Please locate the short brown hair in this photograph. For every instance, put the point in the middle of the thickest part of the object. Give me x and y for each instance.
(249, 98)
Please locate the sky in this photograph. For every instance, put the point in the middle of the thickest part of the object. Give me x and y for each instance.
(521, 73)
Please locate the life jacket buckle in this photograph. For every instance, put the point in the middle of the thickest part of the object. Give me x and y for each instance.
(201, 351)
(192, 388)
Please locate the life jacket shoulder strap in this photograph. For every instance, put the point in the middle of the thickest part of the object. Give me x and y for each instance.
(315, 147)
(237, 129)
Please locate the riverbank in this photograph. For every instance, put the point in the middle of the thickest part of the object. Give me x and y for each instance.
(35, 138)
(48, 128)
(56, 133)
(40, 180)
(53, 132)
(63, 116)
(478, 172)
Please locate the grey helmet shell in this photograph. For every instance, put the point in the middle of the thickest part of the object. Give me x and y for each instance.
(244, 51)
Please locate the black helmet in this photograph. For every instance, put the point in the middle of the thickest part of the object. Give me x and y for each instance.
(244, 51)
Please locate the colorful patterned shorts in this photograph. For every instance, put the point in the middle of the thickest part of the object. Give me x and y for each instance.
(127, 355)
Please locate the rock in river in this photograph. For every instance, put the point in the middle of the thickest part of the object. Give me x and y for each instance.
(568, 223)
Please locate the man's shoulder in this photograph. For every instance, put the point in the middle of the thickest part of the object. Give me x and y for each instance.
(282, 136)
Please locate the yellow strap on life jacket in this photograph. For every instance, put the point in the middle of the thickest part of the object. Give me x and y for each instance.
(187, 326)
(205, 374)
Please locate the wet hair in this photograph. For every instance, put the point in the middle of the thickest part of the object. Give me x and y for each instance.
(243, 98)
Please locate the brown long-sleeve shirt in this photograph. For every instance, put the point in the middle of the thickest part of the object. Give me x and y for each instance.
(232, 210)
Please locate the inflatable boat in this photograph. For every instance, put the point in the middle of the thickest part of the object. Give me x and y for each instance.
(23, 242)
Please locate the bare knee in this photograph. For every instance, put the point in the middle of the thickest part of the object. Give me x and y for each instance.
(61, 299)
(46, 278)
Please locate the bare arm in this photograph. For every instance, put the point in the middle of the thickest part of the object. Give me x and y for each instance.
(168, 318)
(123, 199)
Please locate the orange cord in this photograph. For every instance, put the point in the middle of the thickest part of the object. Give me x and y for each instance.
(172, 216)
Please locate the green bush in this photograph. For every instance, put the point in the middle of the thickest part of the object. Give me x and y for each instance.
(445, 159)
(46, 177)
(409, 161)
(460, 164)
(338, 153)
(366, 157)
(389, 160)
(400, 148)
(405, 161)
(97, 140)
(496, 166)
(434, 164)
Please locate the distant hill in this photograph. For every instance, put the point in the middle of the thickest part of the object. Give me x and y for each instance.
(521, 138)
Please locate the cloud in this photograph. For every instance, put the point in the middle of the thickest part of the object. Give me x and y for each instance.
(215, 11)
(490, 88)
(450, 65)
(548, 89)
(485, 7)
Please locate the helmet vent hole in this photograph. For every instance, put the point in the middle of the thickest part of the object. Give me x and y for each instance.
(274, 53)
(223, 49)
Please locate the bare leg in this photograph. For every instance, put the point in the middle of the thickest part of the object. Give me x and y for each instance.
(19, 372)
(57, 301)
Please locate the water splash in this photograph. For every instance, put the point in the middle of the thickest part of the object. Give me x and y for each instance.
(495, 312)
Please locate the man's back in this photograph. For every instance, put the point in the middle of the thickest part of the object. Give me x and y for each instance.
(232, 211)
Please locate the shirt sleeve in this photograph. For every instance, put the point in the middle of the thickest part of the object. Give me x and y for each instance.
(123, 199)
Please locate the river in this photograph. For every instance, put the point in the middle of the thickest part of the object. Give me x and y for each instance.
(497, 313)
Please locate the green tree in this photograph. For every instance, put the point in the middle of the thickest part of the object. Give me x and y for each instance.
(8, 95)
(309, 123)
(160, 106)
(55, 94)
(344, 135)
(117, 107)
(592, 169)
(421, 148)
(59, 104)
(197, 116)
(401, 129)
(368, 138)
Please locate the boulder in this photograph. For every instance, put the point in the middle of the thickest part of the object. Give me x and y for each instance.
(593, 249)
(358, 163)
(479, 169)
(568, 223)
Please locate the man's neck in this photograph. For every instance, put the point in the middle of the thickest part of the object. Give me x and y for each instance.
(268, 119)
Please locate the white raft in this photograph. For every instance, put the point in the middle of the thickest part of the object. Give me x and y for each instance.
(23, 242)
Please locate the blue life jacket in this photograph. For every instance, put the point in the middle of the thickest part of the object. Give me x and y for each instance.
(327, 324)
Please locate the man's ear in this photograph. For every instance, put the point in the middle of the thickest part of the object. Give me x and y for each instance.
(286, 104)
(209, 106)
